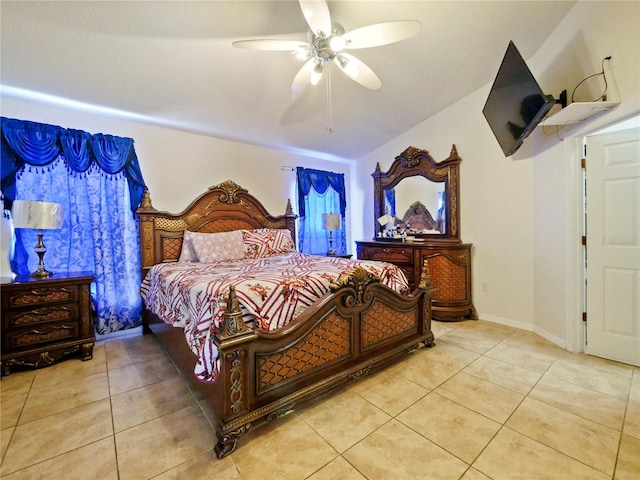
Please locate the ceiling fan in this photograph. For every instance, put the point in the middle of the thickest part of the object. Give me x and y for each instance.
(328, 42)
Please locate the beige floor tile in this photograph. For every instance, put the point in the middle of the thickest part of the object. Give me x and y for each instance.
(513, 456)
(478, 336)
(208, 412)
(344, 419)
(5, 438)
(390, 391)
(17, 382)
(599, 407)
(138, 375)
(146, 403)
(577, 437)
(271, 449)
(522, 355)
(96, 460)
(11, 406)
(449, 355)
(203, 466)
(412, 456)
(442, 328)
(484, 397)
(529, 340)
(455, 428)
(596, 379)
(504, 374)
(632, 420)
(602, 364)
(52, 399)
(628, 465)
(72, 368)
(473, 474)
(338, 469)
(54, 435)
(131, 350)
(420, 368)
(174, 439)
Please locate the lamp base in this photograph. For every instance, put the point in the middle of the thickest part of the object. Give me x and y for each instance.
(331, 253)
(41, 273)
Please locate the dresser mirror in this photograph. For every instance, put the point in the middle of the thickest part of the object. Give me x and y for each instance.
(419, 195)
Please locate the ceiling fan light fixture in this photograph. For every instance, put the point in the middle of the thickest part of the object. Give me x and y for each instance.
(337, 44)
(302, 52)
(317, 73)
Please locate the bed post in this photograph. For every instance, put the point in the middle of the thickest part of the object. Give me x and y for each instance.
(425, 284)
(235, 375)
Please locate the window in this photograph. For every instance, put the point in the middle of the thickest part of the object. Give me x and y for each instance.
(320, 192)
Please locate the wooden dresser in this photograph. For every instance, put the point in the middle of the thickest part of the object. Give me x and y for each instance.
(449, 265)
(44, 320)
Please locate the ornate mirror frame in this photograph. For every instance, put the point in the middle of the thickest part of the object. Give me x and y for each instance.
(417, 162)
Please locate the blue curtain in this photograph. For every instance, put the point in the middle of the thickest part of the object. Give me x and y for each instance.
(320, 192)
(98, 181)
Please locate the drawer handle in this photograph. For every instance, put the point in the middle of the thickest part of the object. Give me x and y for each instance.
(43, 292)
(386, 250)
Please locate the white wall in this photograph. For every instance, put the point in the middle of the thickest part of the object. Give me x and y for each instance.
(177, 166)
(522, 212)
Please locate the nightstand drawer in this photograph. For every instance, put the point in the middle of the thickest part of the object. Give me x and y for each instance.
(42, 295)
(23, 338)
(45, 314)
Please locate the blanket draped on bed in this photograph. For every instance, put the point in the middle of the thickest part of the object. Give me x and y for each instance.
(272, 291)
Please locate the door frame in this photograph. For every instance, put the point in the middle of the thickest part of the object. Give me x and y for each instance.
(576, 305)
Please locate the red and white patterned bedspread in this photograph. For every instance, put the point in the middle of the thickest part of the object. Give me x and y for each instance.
(271, 291)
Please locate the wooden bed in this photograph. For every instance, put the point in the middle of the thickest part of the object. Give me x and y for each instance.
(355, 329)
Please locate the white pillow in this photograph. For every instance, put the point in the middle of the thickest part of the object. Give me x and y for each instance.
(187, 254)
(216, 247)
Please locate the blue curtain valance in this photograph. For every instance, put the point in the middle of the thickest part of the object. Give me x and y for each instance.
(38, 144)
(320, 181)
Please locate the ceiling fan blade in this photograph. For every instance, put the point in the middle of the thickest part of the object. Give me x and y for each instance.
(303, 77)
(381, 34)
(316, 13)
(265, 44)
(358, 71)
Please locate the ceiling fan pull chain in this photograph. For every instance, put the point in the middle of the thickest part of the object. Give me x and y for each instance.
(330, 127)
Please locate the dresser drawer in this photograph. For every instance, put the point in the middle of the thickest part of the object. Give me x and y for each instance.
(398, 255)
(25, 317)
(24, 338)
(40, 295)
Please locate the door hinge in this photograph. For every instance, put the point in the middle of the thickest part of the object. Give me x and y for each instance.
(584, 316)
(583, 163)
(583, 240)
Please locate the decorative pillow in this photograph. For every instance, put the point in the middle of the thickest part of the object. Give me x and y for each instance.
(266, 242)
(187, 254)
(216, 247)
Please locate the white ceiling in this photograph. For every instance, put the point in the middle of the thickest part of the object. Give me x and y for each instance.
(172, 63)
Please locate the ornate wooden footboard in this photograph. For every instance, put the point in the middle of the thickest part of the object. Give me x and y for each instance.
(358, 327)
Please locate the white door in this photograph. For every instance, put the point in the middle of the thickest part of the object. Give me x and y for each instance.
(613, 246)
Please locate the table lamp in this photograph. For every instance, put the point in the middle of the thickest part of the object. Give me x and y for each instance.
(41, 216)
(331, 222)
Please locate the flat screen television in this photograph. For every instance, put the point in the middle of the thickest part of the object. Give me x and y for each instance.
(516, 104)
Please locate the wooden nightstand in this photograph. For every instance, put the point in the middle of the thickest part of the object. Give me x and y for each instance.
(46, 320)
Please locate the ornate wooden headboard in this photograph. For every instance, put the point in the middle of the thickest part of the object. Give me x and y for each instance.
(222, 208)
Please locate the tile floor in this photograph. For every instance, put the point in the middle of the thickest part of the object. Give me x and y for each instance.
(487, 402)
